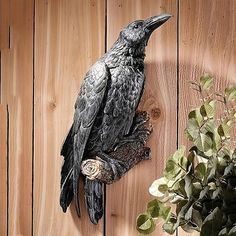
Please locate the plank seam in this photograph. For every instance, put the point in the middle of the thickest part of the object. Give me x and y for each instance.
(9, 37)
(177, 73)
(105, 192)
(178, 82)
(0, 77)
(33, 116)
(8, 174)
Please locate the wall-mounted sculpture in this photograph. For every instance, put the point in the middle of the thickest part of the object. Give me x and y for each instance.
(108, 135)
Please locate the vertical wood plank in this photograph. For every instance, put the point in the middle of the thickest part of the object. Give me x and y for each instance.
(129, 196)
(207, 44)
(16, 78)
(4, 23)
(70, 36)
(3, 170)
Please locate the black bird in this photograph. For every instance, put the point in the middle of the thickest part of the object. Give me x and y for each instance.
(104, 112)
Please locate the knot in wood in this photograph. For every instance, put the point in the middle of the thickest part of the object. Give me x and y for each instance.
(155, 113)
(52, 105)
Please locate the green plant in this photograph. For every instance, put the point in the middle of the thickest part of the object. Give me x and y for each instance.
(201, 184)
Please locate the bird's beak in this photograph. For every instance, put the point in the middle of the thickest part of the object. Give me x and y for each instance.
(154, 22)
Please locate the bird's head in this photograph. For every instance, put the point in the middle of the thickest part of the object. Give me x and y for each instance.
(139, 31)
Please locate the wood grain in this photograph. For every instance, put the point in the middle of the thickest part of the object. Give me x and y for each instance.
(207, 44)
(16, 78)
(4, 23)
(3, 170)
(69, 38)
(129, 196)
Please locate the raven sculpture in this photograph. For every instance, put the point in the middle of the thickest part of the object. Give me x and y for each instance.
(106, 121)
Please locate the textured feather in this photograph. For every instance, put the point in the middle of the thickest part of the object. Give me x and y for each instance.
(86, 108)
(66, 172)
(94, 199)
(122, 101)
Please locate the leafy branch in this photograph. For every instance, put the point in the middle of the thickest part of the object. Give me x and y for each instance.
(202, 183)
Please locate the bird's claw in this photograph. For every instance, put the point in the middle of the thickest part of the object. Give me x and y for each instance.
(118, 167)
(141, 117)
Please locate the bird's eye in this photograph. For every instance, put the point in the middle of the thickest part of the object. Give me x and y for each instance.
(136, 26)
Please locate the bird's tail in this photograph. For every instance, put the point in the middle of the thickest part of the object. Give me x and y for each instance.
(66, 195)
(94, 199)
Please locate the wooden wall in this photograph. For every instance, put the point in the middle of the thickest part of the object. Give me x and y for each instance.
(46, 47)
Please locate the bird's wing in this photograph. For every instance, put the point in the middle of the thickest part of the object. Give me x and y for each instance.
(86, 108)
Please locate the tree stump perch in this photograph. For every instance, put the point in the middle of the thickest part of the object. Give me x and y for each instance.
(130, 152)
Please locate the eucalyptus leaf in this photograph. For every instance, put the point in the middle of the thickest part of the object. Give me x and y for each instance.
(225, 153)
(181, 210)
(223, 232)
(203, 142)
(145, 224)
(232, 96)
(230, 93)
(229, 170)
(229, 90)
(158, 209)
(224, 130)
(172, 170)
(188, 185)
(211, 170)
(179, 153)
(212, 103)
(217, 194)
(210, 126)
(200, 170)
(209, 152)
(212, 223)
(189, 227)
(234, 154)
(216, 140)
(176, 164)
(195, 218)
(193, 128)
(153, 208)
(159, 188)
(207, 110)
(183, 162)
(169, 228)
(197, 185)
(212, 186)
(169, 225)
(165, 212)
(232, 231)
(176, 199)
(192, 114)
(204, 193)
(196, 115)
(206, 81)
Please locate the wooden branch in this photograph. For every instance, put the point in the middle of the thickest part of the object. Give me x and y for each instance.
(97, 169)
(101, 170)
(129, 152)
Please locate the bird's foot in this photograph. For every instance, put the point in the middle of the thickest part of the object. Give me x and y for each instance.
(140, 118)
(118, 167)
(140, 130)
